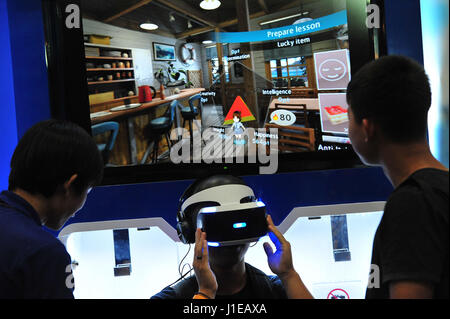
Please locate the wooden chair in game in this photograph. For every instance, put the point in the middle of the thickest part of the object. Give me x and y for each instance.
(294, 138)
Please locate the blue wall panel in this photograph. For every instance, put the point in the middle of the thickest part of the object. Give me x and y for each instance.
(8, 134)
(281, 193)
(23, 79)
(404, 28)
(28, 60)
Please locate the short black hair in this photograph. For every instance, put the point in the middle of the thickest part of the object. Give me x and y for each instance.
(51, 152)
(394, 91)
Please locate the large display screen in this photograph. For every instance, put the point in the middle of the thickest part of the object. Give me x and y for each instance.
(171, 83)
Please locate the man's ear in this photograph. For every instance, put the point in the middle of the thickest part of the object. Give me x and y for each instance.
(69, 183)
(369, 129)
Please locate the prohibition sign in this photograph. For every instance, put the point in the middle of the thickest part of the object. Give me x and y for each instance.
(338, 294)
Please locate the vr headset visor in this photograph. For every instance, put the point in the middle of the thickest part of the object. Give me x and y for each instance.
(233, 224)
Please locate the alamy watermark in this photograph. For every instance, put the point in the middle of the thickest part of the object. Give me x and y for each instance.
(374, 277)
(70, 282)
(221, 146)
(373, 281)
(73, 19)
(373, 20)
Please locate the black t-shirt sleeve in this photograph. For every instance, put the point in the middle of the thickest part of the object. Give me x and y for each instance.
(48, 274)
(166, 293)
(185, 289)
(410, 248)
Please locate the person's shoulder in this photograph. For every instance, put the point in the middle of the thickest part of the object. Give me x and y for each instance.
(432, 171)
(166, 293)
(420, 187)
(427, 179)
(419, 200)
(272, 281)
(431, 174)
(185, 289)
(19, 230)
(404, 200)
(52, 247)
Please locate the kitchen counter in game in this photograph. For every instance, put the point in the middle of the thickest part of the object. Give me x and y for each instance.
(108, 115)
(131, 143)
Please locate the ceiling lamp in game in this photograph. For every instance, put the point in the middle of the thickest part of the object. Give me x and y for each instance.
(148, 26)
(210, 4)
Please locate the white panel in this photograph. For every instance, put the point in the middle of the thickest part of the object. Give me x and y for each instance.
(156, 254)
(312, 251)
(154, 260)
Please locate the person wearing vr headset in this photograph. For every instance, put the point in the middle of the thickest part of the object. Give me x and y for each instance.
(222, 216)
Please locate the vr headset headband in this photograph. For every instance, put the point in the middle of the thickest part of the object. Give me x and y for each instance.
(231, 223)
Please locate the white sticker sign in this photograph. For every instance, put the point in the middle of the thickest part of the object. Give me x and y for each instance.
(283, 117)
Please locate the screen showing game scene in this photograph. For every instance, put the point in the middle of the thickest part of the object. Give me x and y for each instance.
(216, 81)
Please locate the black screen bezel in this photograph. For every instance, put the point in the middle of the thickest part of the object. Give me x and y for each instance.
(69, 99)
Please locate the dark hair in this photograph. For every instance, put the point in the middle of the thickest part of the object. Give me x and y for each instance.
(51, 152)
(237, 114)
(393, 91)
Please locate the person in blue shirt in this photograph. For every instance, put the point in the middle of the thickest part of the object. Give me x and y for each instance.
(53, 168)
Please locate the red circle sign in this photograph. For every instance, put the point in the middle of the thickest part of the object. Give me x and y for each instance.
(338, 294)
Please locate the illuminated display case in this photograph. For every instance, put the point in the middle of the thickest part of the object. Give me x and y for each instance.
(318, 243)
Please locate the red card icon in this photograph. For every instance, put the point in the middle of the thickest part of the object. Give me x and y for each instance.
(335, 110)
(337, 114)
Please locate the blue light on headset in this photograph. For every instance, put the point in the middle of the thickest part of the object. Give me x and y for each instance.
(260, 204)
(239, 225)
(213, 244)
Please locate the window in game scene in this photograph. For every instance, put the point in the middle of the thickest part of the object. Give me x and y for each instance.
(214, 74)
(213, 65)
(289, 72)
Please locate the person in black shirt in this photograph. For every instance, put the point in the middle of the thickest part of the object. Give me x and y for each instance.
(389, 101)
(411, 243)
(53, 167)
(249, 283)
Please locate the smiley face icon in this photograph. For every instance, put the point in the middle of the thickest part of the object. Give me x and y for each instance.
(332, 70)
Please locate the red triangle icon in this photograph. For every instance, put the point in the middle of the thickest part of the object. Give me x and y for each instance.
(239, 105)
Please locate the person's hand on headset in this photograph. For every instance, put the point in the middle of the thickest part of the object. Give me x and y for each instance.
(207, 283)
(280, 262)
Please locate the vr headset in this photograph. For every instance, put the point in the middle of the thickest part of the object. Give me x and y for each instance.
(229, 214)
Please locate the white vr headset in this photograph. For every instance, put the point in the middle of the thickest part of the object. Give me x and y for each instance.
(238, 219)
